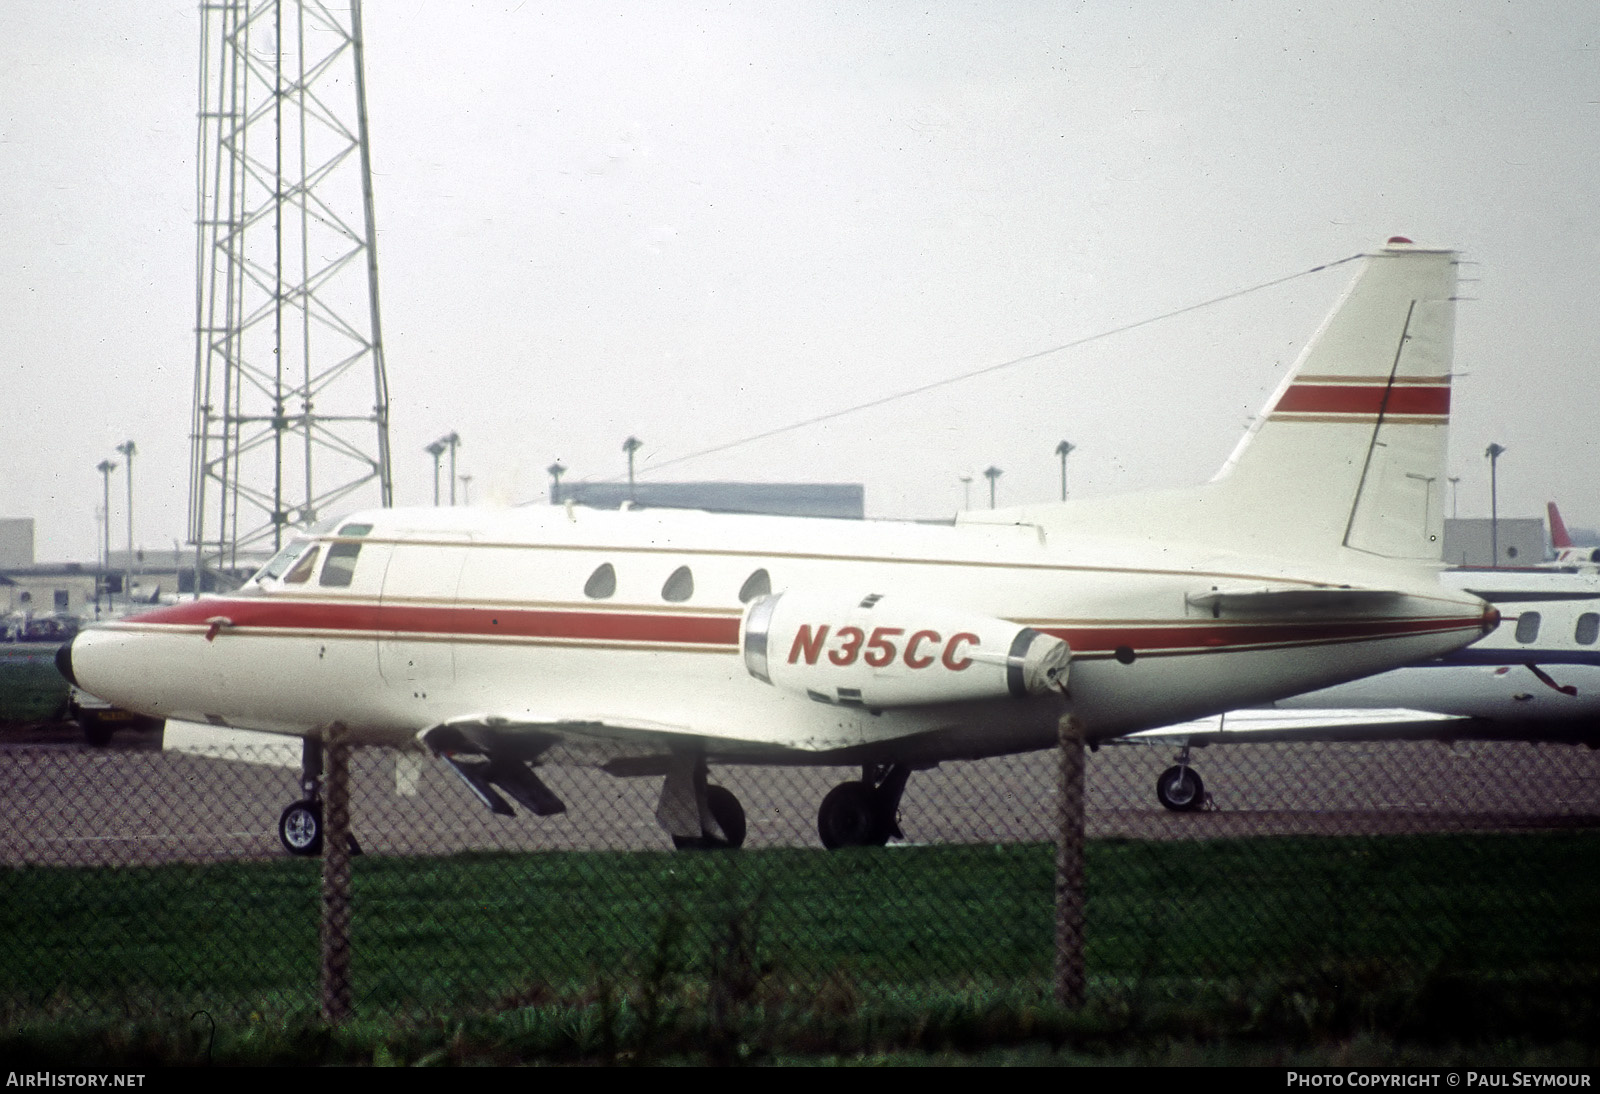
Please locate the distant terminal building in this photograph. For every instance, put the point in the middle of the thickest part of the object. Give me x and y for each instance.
(65, 588)
(790, 499)
(1521, 541)
(83, 590)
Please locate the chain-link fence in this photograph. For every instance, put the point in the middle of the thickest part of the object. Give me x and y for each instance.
(137, 882)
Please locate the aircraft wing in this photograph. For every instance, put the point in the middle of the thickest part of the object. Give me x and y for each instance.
(1269, 725)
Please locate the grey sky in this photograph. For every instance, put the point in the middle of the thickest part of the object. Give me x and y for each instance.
(693, 222)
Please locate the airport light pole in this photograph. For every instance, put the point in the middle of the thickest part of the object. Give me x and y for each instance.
(556, 470)
(128, 450)
(966, 488)
(1427, 482)
(105, 467)
(454, 440)
(630, 446)
(993, 475)
(436, 450)
(466, 492)
(450, 441)
(1494, 452)
(1064, 449)
(1455, 507)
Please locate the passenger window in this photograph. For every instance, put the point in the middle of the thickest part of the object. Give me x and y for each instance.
(340, 569)
(1587, 630)
(679, 587)
(757, 584)
(302, 569)
(602, 583)
(1528, 627)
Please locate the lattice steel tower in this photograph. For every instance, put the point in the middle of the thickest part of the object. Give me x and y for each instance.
(291, 405)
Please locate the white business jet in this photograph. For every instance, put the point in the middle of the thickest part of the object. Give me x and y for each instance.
(658, 643)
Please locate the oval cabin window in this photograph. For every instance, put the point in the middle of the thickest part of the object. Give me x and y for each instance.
(757, 584)
(602, 583)
(1587, 630)
(679, 587)
(1527, 627)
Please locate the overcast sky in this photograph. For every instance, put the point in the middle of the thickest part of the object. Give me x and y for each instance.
(697, 222)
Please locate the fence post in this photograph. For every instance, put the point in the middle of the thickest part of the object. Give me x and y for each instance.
(336, 879)
(1069, 864)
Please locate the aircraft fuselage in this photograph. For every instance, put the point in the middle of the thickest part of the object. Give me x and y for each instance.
(428, 617)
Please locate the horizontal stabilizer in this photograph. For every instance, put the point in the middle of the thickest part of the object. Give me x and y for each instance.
(1524, 596)
(1276, 599)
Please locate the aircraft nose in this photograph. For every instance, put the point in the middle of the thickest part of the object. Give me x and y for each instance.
(64, 661)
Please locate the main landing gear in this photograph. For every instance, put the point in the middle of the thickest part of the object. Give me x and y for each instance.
(729, 816)
(1179, 788)
(697, 815)
(702, 817)
(862, 814)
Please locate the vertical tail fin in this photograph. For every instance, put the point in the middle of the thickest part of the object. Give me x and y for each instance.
(1349, 454)
(1558, 527)
(1351, 448)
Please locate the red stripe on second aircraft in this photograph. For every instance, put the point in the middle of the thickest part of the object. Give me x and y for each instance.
(1363, 399)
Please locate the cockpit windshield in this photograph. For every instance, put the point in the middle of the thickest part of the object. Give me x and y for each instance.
(281, 561)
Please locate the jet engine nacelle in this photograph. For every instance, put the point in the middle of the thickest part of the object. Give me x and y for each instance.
(884, 651)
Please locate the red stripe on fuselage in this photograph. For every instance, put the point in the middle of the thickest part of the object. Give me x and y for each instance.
(407, 620)
(403, 621)
(1363, 399)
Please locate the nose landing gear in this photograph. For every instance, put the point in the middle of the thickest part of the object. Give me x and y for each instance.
(300, 823)
(300, 828)
(1179, 788)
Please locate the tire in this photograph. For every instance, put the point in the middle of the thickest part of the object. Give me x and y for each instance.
(852, 815)
(96, 732)
(300, 828)
(1180, 790)
(729, 815)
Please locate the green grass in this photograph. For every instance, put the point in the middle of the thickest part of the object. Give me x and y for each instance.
(592, 955)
